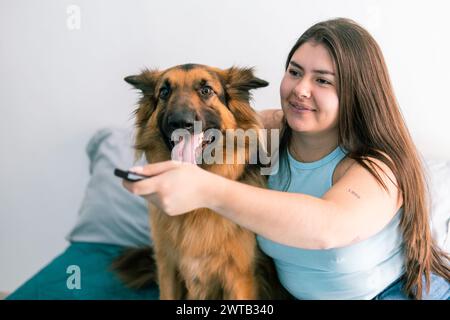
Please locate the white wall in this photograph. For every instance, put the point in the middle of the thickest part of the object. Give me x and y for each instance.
(59, 85)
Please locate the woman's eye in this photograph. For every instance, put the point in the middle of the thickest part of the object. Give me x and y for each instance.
(206, 91)
(164, 93)
(323, 81)
(294, 73)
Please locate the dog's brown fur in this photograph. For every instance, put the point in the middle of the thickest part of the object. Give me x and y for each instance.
(199, 255)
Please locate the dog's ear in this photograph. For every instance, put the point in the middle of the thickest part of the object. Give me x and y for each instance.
(145, 81)
(239, 82)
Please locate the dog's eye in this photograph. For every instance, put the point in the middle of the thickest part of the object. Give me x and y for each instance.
(206, 91)
(164, 93)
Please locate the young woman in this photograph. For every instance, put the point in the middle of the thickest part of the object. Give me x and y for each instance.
(353, 223)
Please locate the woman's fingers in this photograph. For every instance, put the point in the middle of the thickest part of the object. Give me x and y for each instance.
(156, 175)
(174, 187)
(156, 168)
(142, 187)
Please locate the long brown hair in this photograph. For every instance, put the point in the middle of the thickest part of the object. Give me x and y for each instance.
(371, 126)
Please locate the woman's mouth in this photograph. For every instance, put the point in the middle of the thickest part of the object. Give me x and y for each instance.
(300, 108)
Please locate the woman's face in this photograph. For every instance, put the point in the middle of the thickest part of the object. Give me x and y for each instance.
(308, 91)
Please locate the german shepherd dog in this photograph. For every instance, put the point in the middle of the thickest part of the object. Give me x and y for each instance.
(199, 255)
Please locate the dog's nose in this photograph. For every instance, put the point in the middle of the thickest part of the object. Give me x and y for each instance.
(183, 119)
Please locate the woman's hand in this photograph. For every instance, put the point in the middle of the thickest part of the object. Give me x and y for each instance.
(175, 187)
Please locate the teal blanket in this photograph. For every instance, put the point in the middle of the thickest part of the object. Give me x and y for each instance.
(81, 272)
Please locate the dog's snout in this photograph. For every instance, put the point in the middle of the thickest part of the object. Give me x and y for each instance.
(183, 119)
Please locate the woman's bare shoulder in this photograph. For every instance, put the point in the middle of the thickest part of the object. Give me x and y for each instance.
(380, 167)
(271, 118)
(348, 165)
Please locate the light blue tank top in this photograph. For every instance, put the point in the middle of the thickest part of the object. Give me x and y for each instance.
(357, 271)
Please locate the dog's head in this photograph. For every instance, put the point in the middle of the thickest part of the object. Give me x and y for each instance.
(181, 96)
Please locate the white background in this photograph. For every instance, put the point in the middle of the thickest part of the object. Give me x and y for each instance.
(58, 86)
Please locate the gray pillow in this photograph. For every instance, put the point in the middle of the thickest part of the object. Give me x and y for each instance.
(109, 213)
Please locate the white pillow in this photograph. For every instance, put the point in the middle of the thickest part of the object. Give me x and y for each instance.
(438, 178)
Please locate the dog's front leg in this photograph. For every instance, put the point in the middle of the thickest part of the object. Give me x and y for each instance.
(170, 286)
(240, 286)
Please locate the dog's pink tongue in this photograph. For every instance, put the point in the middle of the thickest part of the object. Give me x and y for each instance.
(188, 149)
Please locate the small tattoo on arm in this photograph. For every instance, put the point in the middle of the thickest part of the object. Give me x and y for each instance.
(354, 193)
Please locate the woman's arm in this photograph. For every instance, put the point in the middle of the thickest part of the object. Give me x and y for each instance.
(289, 218)
(355, 208)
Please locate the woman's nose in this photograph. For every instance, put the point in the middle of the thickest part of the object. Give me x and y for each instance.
(303, 89)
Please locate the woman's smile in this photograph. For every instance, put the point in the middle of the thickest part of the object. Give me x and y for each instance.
(299, 107)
